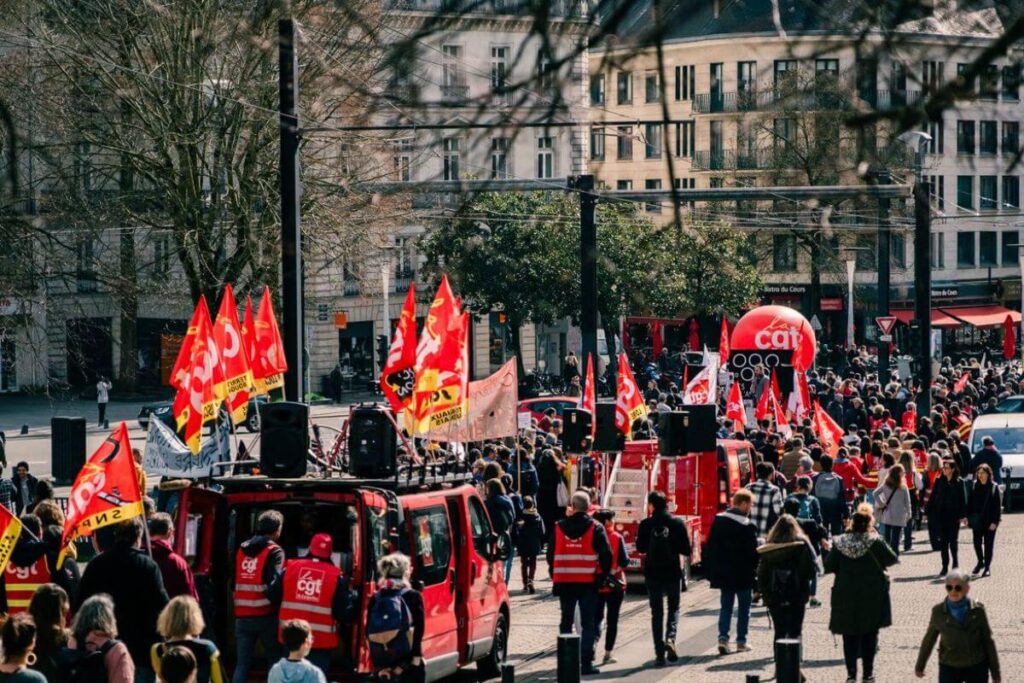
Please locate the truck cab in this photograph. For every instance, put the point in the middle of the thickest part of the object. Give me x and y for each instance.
(443, 526)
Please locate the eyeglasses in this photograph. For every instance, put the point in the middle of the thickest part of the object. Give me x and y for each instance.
(954, 588)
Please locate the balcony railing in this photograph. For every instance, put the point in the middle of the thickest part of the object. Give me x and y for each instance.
(454, 93)
(769, 99)
(568, 9)
(729, 160)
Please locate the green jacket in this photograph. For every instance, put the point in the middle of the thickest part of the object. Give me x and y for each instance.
(860, 594)
(960, 646)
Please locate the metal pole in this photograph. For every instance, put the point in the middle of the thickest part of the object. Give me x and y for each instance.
(851, 268)
(588, 267)
(923, 294)
(884, 265)
(1020, 333)
(291, 239)
(568, 658)
(385, 272)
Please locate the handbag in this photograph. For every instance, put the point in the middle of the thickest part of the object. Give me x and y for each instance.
(887, 609)
(562, 494)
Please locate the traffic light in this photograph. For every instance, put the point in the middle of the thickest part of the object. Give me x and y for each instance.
(382, 350)
(914, 337)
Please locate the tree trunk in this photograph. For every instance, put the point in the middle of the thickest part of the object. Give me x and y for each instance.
(128, 367)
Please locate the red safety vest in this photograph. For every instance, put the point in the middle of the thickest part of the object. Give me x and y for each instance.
(22, 583)
(308, 594)
(909, 421)
(575, 559)
(619, 572)
(250, 592)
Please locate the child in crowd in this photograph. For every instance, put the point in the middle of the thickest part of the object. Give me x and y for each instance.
(295, 668)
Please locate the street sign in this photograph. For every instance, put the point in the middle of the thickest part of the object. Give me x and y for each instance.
(815, 323)
(885, 324)
(885, 337)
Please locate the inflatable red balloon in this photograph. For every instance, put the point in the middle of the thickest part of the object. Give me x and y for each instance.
(776, 328)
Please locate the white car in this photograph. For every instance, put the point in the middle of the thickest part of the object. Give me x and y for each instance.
(1007, 431)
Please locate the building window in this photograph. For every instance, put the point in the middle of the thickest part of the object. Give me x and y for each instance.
(898, 84)
(1011, 192)
(685, 83)
(685, 183)
(653, 184)
(545, 74)
(867, 80)
(624, 185)
(499, 157)
(987, 199)
(898, 250)
(965, 192)
(716, 92)
(597, 144)
(624, 143)
(652, 142)
(161, 255)
(86, 264)
(867, 251)
(784, 253)
(451, 158)
(784, 129)
(451, 72)
(684, 139)
(404, 258)
(1011, 83)
(938, 250)
(965, 250)
(933, 75)
(987, 249)
(1011, 254)
(403, 160)
(624, 84)
(936, 191)
(988, 137)
(746, 86)
(826, 80)
(785, 71)
(545, 158)
(597, 89)
(1011, 138)
(990, 82)
(937, 129)
(961, 73)
(499, 74)
(652, 93)
(965, 137)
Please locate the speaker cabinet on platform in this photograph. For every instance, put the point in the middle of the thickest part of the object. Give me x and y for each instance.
(742, 363)
(284, 439)
(608, 437)
(576, 430)
(689, 430)
(372, 443)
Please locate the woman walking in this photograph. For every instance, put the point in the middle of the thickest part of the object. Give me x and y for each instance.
(611, 592)
(529, 541)
(18, 637)
(181, 623)
(784, 574)
(984, 512)
(893, 505)
(947, 509)
(967, 652)
(860, 594)
(49, 607)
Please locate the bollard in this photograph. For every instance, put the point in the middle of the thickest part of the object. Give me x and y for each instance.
(24, 430)
(753, 678)
(568, 658)
(787, 660)
(508, 673)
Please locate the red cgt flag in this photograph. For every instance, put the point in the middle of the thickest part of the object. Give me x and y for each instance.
(106, 490)
(588, 399)
(237, 378)
(180, 370)
(961, 383)
(269, 347)
(723, 342)
(249, 344)
(734, 408)
(629, 403)
(398, 378)
(198, 399)
(830, 433)
(442, 363)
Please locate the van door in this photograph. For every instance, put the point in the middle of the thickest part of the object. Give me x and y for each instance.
(433, 556)
(200, 540)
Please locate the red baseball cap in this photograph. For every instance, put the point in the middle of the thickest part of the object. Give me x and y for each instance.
(321, 546)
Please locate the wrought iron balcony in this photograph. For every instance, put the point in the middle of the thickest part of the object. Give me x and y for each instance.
(729, 160)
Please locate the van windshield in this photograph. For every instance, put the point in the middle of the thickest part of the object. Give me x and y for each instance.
(1007, 439)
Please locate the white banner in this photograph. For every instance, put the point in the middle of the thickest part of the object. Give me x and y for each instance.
(492, 409)
(166, 455)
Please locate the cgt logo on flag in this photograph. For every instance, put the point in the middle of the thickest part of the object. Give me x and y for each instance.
(310, 584)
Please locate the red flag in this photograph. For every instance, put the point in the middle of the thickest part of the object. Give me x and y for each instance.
(629, 403)
(180, 370)
(686, 374)
(781, 423)
(398, 378)
(442, 364)
(237, 376)
(763, 411)
(588, 399)
(909, 419)
(961, 383)
(703, 388)
(734, 408)
(269, 346)
(106, 490)
(1009, 339)
(657, 343)
(800, 398)
(830, 433)
(723, 342)
(249, 344)
(775, 386)
(197, 400)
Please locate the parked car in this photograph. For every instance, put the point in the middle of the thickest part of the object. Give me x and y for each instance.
(1007, 431)
(537, 406)
(162, 411)
(1011, 404)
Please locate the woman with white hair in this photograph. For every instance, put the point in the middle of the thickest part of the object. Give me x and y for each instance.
(94, 629)
(396, 648)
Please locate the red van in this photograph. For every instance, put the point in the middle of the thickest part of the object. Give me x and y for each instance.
(442, 525)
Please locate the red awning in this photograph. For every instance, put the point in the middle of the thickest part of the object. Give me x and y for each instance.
(939, 319)
(982, 316)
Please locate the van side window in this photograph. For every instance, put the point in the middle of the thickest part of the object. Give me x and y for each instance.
(379, 542)
(432, 539)
(743, 455)
(481, 527)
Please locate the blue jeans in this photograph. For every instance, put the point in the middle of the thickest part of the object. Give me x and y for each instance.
(908, 536)
(745, 597)
(892, 536)
(588, 621)
(508, 563)
(249, 630)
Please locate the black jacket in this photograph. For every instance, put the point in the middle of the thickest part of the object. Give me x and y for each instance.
(132, 579)
(947, 504)
(574, 527)
(531, 534)
(730, 557)
(19, 504)
(992, 458)
(678, 539)
(984, 506)
(795, 556)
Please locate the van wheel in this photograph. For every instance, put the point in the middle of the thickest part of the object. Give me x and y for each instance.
(490, 666)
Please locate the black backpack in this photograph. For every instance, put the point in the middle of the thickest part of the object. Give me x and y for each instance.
(78, 665)
(785, 586)
(660, 556)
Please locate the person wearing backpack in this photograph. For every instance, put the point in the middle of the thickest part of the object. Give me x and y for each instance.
(819, 538)
(502, 512)
(828, 489)
(395, 620)
(613, 589)
(664, 541)
(807, 505)
(784, 574)
(94, 654)
(730, 561)
(323, 602)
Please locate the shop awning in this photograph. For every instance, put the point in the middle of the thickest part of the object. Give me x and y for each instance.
(939, 319)
(982, 316)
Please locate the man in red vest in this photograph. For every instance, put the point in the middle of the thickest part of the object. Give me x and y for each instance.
(257, 565)
(580, 558)
(28, 567)
(313, 588)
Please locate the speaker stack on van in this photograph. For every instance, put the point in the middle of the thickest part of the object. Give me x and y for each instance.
(284, 439)
(372, 442)
(742, 363)
(689, 430)
(576, 430)
(608, 436)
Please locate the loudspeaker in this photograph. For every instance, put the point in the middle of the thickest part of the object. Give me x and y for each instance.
(284, 439)
(576, 430)
(692, 429)
(608, 437)
(742, 363)
(67, 447)
(372, 443)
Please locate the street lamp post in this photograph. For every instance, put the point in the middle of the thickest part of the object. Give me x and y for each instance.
(851, 267)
